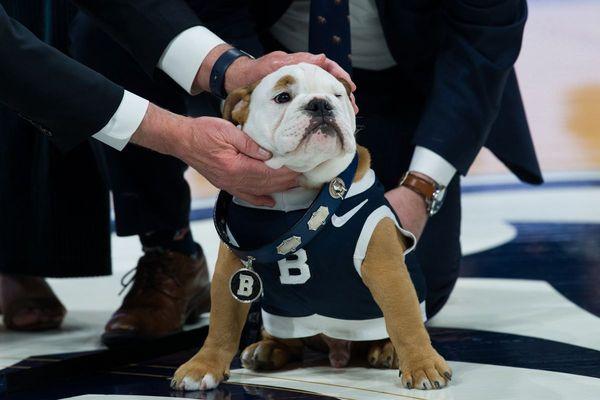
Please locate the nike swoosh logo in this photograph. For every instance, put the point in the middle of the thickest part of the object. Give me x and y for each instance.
(340, 221)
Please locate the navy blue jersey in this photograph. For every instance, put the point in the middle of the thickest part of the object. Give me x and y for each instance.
(319, 289)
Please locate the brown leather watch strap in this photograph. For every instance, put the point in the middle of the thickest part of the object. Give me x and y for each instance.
(419, 185)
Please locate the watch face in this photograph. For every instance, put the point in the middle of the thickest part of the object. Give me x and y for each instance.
(437, 199)
(435, 207)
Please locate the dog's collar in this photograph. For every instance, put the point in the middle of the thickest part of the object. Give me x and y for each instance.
(308, 226)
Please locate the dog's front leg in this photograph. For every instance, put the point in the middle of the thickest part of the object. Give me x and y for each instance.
(210, 365)
(387, 277)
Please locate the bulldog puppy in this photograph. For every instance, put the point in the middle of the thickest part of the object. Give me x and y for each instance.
(304, 116)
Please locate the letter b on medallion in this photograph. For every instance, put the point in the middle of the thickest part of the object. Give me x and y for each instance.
(245, 285)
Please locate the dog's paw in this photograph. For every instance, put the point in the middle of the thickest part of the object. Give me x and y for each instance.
(424, 369)
(199, 374)
(382, 354)
(266, 355)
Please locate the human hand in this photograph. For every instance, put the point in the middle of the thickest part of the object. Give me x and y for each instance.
(219, 151)
(245, 70)
(410, 208)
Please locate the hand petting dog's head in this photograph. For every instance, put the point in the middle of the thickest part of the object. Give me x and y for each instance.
(303, 115)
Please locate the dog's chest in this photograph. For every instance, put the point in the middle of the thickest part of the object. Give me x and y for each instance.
(321, 277)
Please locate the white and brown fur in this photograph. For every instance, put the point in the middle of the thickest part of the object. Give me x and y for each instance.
(408, 347)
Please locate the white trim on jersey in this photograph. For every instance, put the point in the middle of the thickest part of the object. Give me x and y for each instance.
(361, 185)
(299, 327)
(367, 231)
(231, 238)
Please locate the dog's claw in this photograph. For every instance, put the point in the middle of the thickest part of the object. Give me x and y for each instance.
(448, 375)
(436, 384)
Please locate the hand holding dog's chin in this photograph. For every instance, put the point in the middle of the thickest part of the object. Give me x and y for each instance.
(218, 150)
(410, 208)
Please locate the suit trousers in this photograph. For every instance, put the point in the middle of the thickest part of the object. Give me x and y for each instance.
(149, 189)
(54, 206)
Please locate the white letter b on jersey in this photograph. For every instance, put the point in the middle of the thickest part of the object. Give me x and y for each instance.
(299, 264)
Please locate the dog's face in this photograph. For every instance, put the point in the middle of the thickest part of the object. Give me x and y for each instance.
(300, 113)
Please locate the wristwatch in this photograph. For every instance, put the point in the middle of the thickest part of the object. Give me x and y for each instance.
(432, 192)
(217, 74)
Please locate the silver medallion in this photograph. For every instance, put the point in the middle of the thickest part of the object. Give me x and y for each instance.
(245, 285)
(337, 188)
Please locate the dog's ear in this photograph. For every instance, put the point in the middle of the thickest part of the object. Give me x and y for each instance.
(235, 108)
(346, 85)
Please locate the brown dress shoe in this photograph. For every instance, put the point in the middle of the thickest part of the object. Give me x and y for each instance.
(169, 289)
(29, 304)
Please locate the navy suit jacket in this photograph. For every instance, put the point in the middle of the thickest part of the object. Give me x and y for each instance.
(456, 56)
(63, 98)
(459, 57)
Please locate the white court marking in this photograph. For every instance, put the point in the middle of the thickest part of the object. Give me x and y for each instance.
(119, 397)
(470, 381)
(508, 383)
(519, 307)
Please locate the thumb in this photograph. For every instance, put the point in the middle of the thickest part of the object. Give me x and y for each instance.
(245, 145)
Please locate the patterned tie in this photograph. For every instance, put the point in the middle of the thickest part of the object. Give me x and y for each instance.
(329, 31)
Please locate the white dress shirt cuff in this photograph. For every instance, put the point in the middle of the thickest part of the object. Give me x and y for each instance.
(182, 58)
(433, 165)
(124, 122)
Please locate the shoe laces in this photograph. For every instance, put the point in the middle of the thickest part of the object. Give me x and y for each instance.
(144, 277)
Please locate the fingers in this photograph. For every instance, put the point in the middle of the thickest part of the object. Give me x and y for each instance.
(259, 179)
(281, 59)
(245, 145)
(353, 100)
(317, 59)
(265, 201)
(334, 69)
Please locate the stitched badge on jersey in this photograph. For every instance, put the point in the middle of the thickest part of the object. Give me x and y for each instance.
(245, 285)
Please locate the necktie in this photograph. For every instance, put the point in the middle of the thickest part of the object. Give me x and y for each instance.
(329, 30)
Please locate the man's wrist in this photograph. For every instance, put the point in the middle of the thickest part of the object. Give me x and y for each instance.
(423, 176)
(431, 192)
(235, 70)
(202, 80)
(417, 200)
(161, 131)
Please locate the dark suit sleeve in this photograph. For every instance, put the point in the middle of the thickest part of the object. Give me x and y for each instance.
(482, 40)
(67, 100)
(143, 27)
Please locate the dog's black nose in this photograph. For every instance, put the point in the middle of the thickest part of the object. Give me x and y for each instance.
(319, 107)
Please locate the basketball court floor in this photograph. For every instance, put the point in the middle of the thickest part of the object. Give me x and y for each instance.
(522, 323)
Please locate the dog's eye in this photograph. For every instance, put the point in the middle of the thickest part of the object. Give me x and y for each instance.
(282, 98)
(338, 95)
